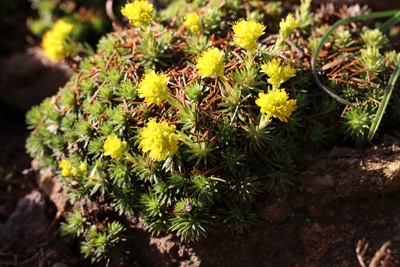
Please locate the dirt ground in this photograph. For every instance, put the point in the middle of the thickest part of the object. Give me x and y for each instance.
(344, 199)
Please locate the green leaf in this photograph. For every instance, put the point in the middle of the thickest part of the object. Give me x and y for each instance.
(385, 100)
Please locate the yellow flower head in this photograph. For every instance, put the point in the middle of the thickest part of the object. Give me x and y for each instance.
(74, 172)
(62, 28)
(66, 167)
(138, 12)
(82, 167)
(277, 104)
(160, 139)
(53, 41)
(211, 62)
(246, 33)
(192, 22)
(153, 87)
(277, 72)
(287, 26)
(114, 147)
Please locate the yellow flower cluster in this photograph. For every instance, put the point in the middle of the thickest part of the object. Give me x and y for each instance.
(287, 26)
(114, 147)
(81, 169)
(192, 22)
(276, 103)
(66, 167)
(138, 12)
(277, 72)
(246, 33)
(211, 62)
(153, 87)
(53, 41)
(159, 139)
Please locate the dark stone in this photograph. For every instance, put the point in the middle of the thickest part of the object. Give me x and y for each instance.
(27, 225)
(27, 78)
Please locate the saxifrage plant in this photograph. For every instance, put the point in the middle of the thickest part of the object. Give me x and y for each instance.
(187, 120)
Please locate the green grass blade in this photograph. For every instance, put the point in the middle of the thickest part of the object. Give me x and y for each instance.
(388, 24)
(385, 100)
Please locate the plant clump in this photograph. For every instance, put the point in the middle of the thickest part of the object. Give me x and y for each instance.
(186, 121)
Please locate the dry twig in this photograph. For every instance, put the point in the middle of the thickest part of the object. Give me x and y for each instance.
(381, 257)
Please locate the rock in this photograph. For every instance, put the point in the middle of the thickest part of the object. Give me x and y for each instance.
(51, 186)
(27, 224)
(319, 184)
(375, 173)
(27, 78)
(278, 211)
(314, 238)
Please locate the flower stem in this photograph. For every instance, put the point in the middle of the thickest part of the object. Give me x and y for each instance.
(175, 103)
(264, 121)
(226, 84)
(129, 157)
(250, 59)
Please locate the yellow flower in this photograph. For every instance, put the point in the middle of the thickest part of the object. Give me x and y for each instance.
(192, 22)
(211, 62)
(160, 139)
(62, 28)
(66, 167)
(277, 104)
(287, 26)
(53, 41)
(138, 12)
(82, 168)
(277, 72)
(153, 87)
(114, 147)
(74, 172)
(246, 33)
